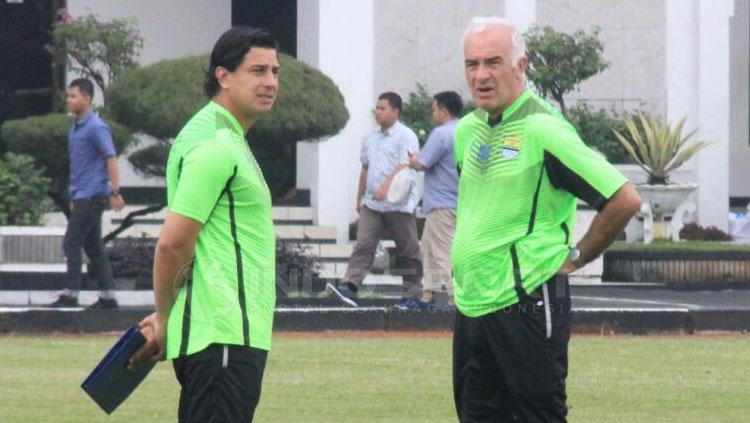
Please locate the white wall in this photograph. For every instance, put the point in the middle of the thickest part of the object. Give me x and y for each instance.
(338, 39)
(171, 29)
(739, 109)
(713, 112)
(632, 33)
(420, 42)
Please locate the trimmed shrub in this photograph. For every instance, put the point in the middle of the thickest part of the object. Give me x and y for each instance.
(696, 232)
(160, 98)
(23, 191)
(596, 129)
(132, 257)
(296, 270)
(151, 160)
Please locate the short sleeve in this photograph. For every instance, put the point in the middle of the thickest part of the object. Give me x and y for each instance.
(412, 143)
(102, 140)
(433, 150)
(363, 158)
(461, 141)
(202, 175)
(572, 165)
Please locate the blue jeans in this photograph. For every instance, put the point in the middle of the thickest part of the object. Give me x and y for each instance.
(85, 231)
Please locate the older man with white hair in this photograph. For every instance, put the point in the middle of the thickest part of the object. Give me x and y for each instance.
(522, 167)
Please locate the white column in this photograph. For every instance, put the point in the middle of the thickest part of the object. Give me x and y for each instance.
(308, 22)
(521, 12)
(713, 112)
(681, 61)
(344, 52)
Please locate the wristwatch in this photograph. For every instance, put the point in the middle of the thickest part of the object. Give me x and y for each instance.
(114, 193)
(573, 255)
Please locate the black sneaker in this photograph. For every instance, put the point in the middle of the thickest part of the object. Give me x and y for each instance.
(103, 304)
(64, 301)
(343, 292)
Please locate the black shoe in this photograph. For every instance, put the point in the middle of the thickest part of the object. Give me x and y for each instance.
(103, 304)
(343, 292)
(64, 301)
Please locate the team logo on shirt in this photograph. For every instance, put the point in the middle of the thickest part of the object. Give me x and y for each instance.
(510, 147)
(483, 156)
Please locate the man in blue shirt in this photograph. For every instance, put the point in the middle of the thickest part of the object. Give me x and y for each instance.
(439, 201)
(94, 182)
(385, 153)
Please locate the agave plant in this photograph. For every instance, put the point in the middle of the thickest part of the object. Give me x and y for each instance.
(657, 147)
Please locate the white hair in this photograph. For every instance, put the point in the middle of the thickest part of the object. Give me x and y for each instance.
(517, 42)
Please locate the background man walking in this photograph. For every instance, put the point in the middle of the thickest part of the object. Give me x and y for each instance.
(384, 153)
(439, 199)
(94, 184)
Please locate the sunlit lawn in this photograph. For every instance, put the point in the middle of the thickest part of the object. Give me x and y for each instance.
(395, 379)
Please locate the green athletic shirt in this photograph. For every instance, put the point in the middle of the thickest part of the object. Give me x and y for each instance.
(517, 200)
(213, 178)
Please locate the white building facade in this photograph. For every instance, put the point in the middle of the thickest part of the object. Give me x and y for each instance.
(673, 58)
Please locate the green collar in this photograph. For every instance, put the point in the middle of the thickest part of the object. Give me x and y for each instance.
(227, 119)
(484, 116)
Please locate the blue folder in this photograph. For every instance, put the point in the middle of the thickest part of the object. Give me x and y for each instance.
(110, 383)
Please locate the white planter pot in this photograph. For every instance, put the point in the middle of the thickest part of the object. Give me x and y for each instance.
(665, 200)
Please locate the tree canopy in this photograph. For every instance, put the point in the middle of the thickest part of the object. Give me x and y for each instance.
(558, 62)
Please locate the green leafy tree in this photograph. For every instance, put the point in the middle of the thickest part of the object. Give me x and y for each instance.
(417, 113)
(22, 191)
(596, 129)
(45, 138)
(159, 99)
(559, 62)
(98, 50)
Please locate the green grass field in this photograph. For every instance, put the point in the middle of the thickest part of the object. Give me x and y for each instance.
(395, 379)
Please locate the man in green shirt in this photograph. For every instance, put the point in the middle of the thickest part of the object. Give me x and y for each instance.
(522, 166)
(214, 266)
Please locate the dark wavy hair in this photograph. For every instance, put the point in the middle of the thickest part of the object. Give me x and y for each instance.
(230, 49)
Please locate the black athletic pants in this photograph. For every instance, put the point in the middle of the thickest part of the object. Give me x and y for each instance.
(511, 365)
(220, 384)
